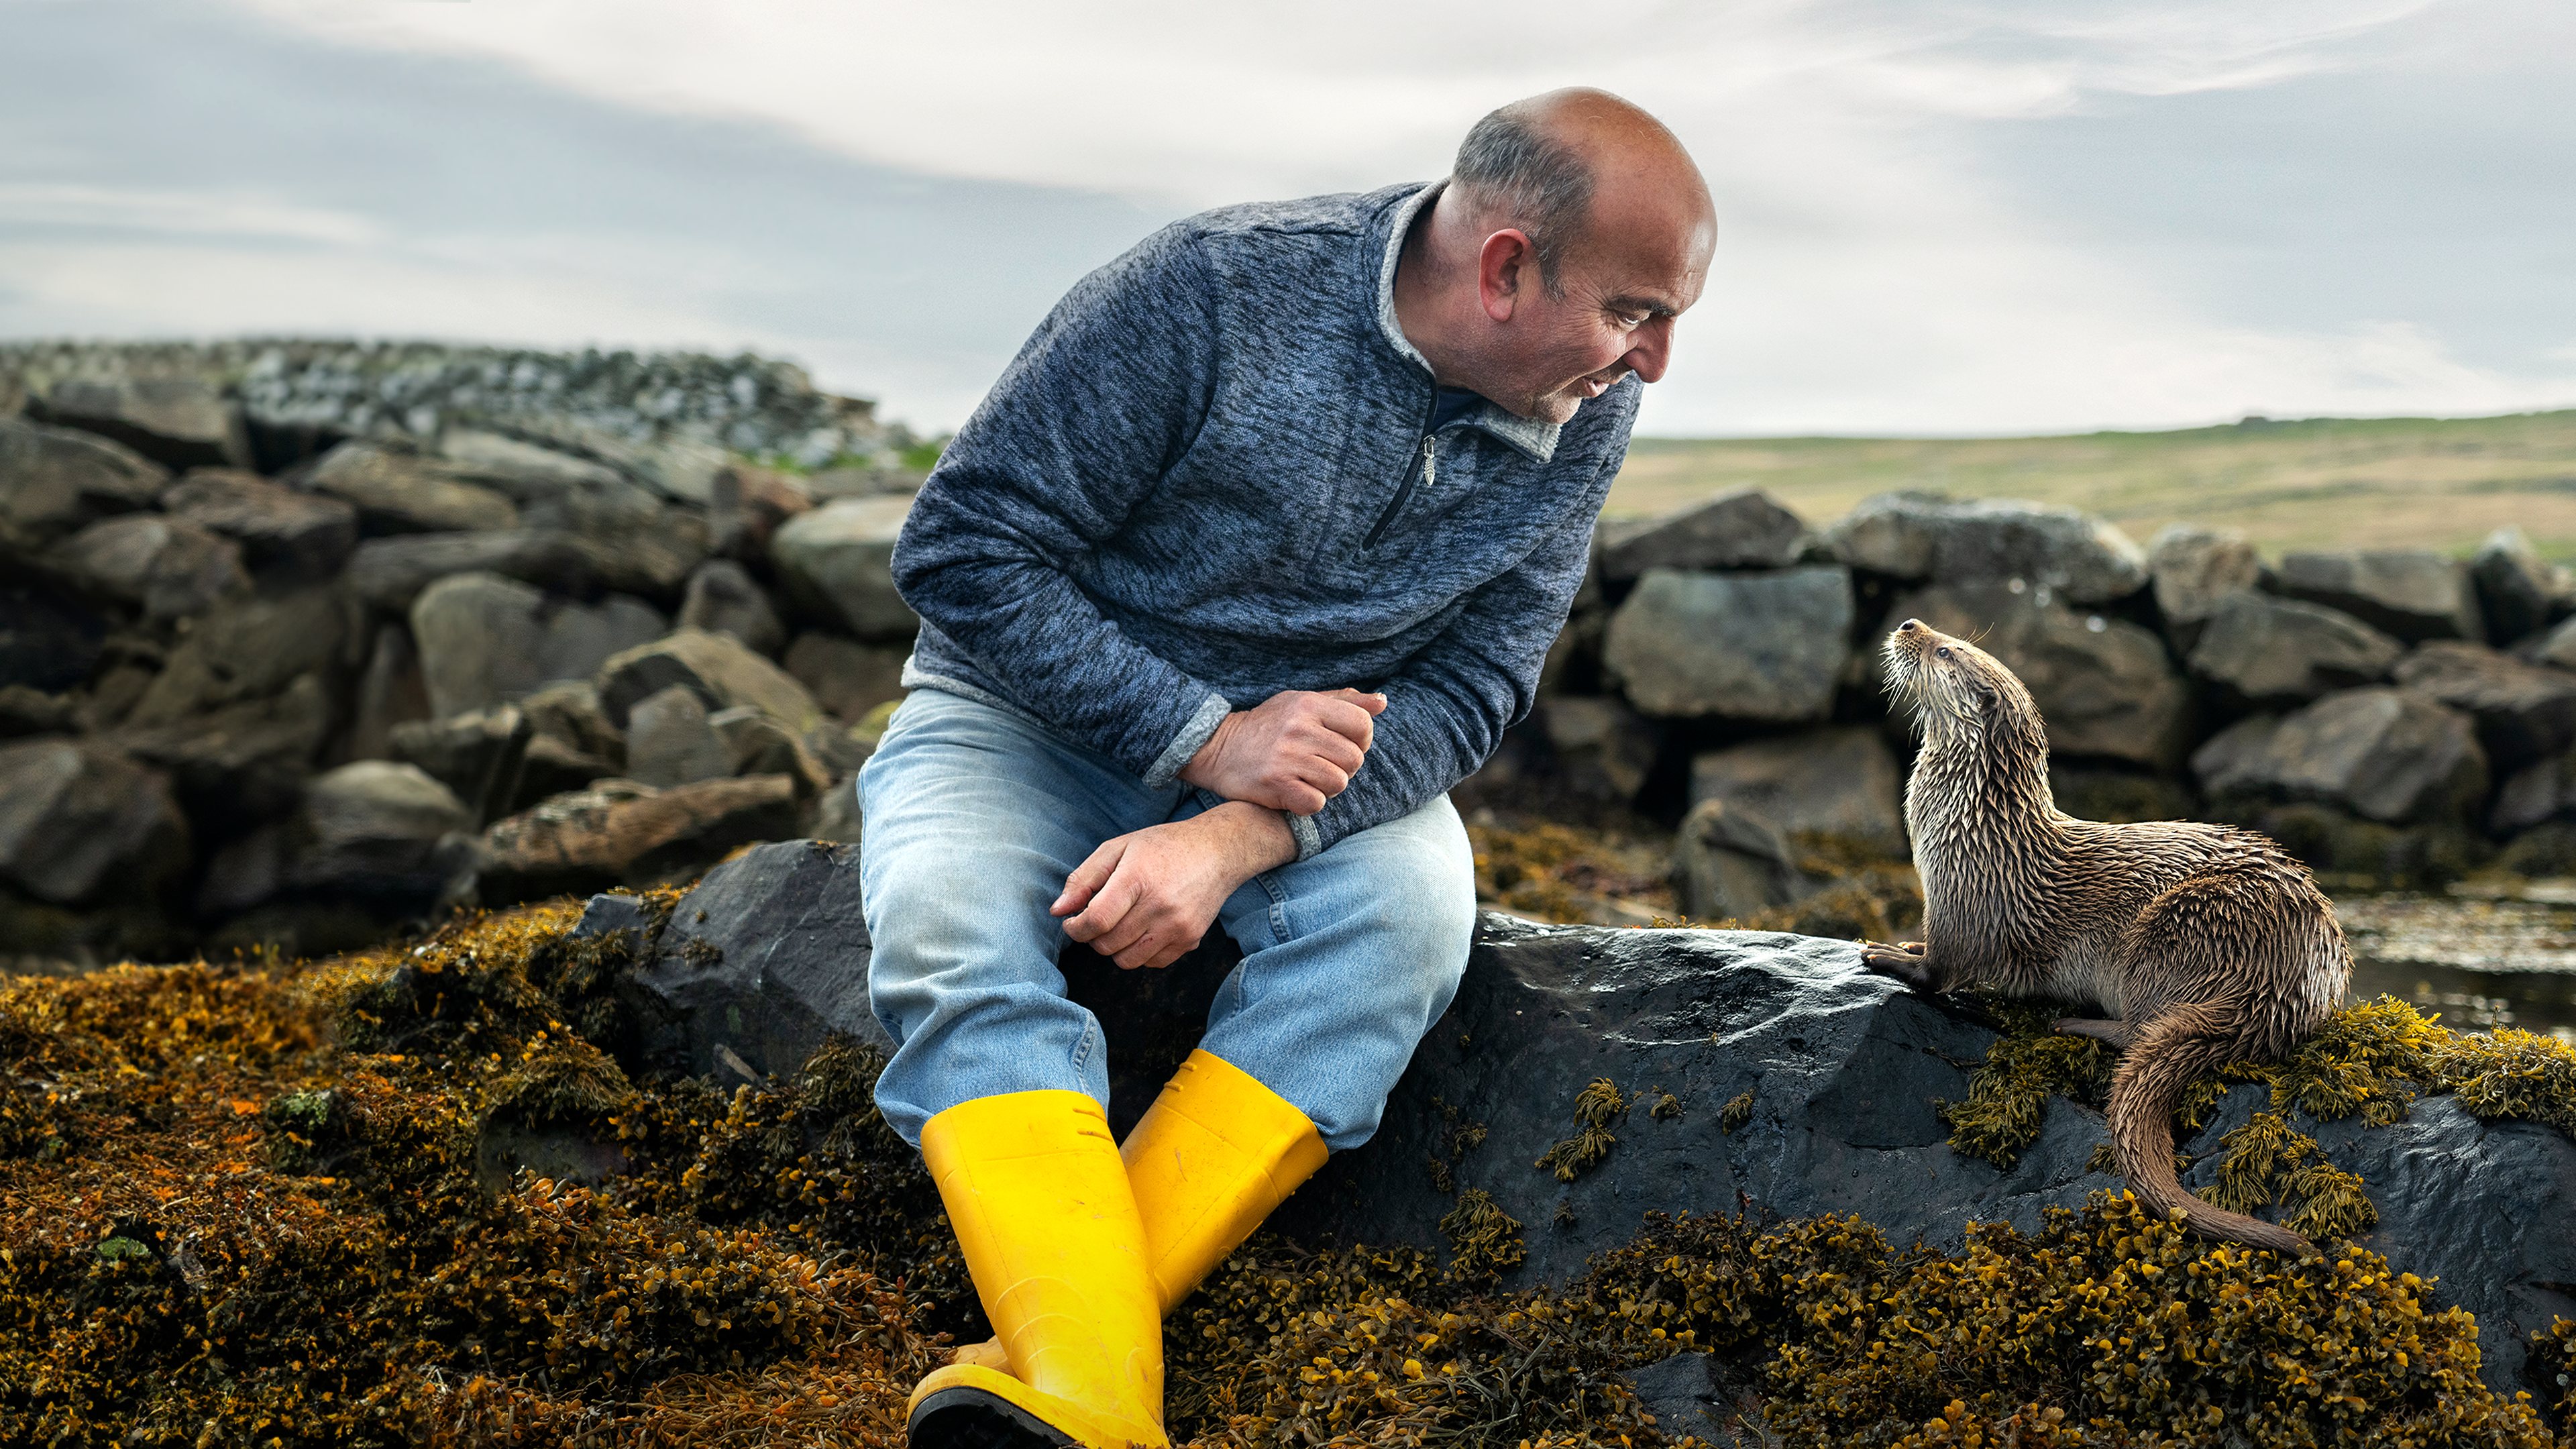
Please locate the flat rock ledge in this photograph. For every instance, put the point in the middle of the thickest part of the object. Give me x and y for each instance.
(1798, 1084)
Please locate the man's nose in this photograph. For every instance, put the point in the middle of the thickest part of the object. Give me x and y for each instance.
(1650, 350)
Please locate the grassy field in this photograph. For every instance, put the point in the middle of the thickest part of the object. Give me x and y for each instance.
(2317, 483)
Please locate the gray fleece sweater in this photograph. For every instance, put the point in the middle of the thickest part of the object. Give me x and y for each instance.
(1208, 478)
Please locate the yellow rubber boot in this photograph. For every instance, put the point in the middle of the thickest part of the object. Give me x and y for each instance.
(1212, 1158)
(1039, 1199)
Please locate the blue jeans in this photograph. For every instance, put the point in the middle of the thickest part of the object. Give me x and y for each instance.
(973, 817)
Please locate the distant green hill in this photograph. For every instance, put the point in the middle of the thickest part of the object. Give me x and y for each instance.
(2443, 483)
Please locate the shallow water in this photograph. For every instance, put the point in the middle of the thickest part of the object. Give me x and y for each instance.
(2479, 956)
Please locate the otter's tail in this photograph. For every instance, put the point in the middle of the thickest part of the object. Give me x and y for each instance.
(2176, 1048)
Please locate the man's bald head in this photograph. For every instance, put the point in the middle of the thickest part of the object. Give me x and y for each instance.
(1555, 164)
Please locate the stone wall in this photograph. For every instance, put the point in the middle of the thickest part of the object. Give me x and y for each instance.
(304, 641)
(2396, 716)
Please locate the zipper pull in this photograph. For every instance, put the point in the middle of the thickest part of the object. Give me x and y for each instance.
(1430, 459)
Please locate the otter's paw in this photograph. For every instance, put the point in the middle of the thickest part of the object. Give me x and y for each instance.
(1904, 962)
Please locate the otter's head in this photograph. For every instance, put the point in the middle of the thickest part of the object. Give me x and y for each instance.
(1957, 689)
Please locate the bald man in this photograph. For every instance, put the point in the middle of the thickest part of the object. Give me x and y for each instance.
(1254, 551)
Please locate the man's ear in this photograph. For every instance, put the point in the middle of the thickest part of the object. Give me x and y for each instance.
(1503, 268)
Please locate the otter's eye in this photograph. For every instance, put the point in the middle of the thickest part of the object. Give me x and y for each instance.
(1943, 651)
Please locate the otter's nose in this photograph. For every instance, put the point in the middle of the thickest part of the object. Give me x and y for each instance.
(1909, 626)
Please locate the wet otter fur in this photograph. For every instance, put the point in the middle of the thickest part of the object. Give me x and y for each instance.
(2187, 945)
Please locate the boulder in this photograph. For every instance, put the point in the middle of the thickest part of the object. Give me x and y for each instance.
(2516, 589)
(1806, 1085)
(248, 649)
(1917, 536)
(724, 599)
(847, 678)
(2194, 568)
(1832, 782)
(2383, 754)
(1602, 750)
(759, 961)
(244, 761)
(639, 543)
(28, 711)
(478, 756)
(520, 469)
(55, 482)
(2413, 594)
(837, 561)
(485, 639)
(2105, 686)
(47, 642)
(668, 741)
(2271, 651)
(181, 422)
(2523, 711)
(399, 493)
(81, 824)
(1744, 529)
(2557, 648)
(620, 832)
(1731, 861)
(390, 572)
(304, 535)
(570, 713)
(719, 668)
(1767, 646)
(167, 567)
(382, 832)
(755, 744)
(2541, 791)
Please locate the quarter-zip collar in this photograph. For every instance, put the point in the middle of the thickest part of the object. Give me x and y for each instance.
(1530, 436)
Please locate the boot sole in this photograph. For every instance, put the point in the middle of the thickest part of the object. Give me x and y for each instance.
(966, 1418)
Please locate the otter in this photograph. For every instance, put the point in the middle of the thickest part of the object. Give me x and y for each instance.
(2189, 945)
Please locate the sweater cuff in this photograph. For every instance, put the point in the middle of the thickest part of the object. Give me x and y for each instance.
(1310, 839)
(1192, 738)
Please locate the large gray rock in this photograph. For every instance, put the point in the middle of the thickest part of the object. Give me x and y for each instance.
(1836, 782)
(2524, 711)
(521, 469)
(2413, 594)
(2516, 589)
(747, 506)
(719, 668)
(400, 493)
(1730, 861)
(847, 678)
(2071, 555)
(383, 832)
(760, 960)
(668, 741)
(55, 482)
(2106, 686)
(248, 649)
(485, 639)
(167, 567)
(2385, 754)
(304, 534)
(242, 761)
(1767, 646)
(390, 572)
(1602, 750)
(724, 599)
(838, 562)
(2541, 791)
(1745, 529)
(184, 422)
(1844, 1071)
(478, 757)
(2271, 651)
(81, 824)
(2194, 568)
(621, 832)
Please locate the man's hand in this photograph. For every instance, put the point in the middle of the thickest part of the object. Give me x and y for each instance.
(1293, 751)
(1148, 897)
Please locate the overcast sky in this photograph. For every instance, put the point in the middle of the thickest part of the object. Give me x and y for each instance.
(1935, 218)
